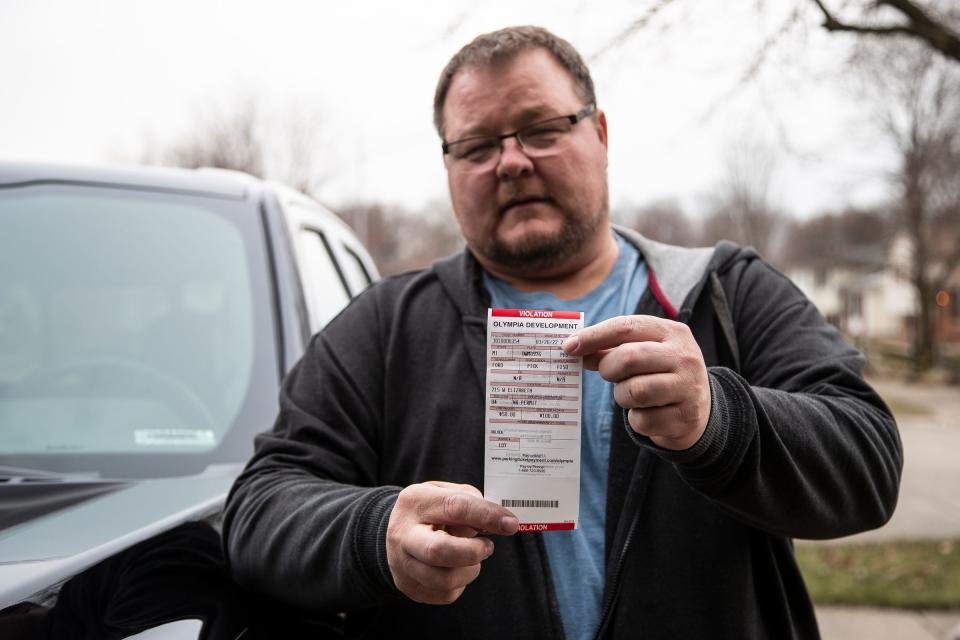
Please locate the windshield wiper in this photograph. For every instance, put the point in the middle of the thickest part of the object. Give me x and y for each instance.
(23, 500)
(16, 475)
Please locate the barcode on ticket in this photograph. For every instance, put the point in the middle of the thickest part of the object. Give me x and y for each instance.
(539, 504)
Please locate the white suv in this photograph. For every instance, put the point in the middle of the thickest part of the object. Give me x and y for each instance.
(147, 317)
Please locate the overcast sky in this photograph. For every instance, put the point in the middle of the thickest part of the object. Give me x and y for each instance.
(94, 81)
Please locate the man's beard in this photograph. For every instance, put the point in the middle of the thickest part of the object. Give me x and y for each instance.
(542, 251)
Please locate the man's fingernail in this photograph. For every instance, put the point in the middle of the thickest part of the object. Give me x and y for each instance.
(571, 344)
(509, 524)
(489, 550)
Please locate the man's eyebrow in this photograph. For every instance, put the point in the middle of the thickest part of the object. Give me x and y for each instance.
(524, 117)
(533, 114)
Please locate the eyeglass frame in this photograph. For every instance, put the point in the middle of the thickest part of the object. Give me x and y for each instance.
(587, 111)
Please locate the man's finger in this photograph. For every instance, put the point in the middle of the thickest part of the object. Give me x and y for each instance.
(424, 595)
(454, 529)
(440, 579)
(461, 531)
(592, 361)
(449, 507)
(463, 488)
(638, 358)
(661, 422)
(653, 390)
(668, 427)
(616, 331)
(440, 549)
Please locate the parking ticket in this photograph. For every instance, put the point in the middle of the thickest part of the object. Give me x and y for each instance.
(534, 395)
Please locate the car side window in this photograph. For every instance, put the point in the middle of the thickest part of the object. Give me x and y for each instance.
(355, 273)
(324, 284)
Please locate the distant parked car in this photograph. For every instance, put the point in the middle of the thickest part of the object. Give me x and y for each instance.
(147, 317)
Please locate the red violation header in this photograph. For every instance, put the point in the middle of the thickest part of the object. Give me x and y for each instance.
(532, 313)
(526, 527)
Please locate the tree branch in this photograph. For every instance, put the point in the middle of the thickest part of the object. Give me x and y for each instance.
(920, 25)
(630, 30)
(759, 59)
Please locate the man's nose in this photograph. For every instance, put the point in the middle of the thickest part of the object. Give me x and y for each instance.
(513, 162)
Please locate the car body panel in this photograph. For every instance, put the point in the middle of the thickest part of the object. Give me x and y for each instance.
(227, 184)
(44, 551)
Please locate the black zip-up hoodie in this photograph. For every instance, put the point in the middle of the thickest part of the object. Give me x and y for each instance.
(698, 542)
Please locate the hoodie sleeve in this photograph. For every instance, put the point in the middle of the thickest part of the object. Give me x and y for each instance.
(306, 522)
(797, 443)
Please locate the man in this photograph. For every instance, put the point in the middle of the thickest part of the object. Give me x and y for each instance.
(725, 418)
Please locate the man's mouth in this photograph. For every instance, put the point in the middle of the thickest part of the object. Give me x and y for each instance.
(519, 202)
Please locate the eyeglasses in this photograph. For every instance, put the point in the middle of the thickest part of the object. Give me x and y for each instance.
(538, 140)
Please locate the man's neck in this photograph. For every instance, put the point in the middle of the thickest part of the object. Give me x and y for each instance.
(576, 279)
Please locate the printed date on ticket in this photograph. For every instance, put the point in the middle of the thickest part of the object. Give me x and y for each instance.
(533, 396)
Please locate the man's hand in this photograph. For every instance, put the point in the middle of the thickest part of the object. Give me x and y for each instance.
(658, 374)
(432, 545)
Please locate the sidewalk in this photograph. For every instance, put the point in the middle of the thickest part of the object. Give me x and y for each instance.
(929, 508)
(853, 623)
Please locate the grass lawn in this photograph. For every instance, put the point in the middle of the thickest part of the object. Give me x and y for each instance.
(910, 575)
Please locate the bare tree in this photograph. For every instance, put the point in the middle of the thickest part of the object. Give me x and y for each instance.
(303, 148)
(850, 235)
(933, 23)
(916, 94)
(915, 49)
(663, 220)
(399, 239)
(374, 222)
(935, 27)
(742, 207)
(285, 146)
(228, 139)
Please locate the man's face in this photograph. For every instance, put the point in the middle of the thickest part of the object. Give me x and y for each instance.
(524, 215)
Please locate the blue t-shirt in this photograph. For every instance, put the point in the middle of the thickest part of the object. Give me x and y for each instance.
(576, 557)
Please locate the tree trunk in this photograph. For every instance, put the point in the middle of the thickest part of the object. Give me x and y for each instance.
(916, 222)
(924, 337)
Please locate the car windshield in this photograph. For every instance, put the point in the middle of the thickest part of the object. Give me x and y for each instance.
(136, 330)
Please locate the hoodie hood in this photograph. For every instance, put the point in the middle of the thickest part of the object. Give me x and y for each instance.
(677, 275)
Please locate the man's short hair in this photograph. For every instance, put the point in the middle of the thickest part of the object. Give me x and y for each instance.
(503, 45)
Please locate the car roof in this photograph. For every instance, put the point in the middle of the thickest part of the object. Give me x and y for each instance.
(209, 181)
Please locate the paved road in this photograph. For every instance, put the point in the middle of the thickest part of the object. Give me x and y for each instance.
(929, 508)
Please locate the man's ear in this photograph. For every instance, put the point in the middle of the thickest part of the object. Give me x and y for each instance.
(601, 125)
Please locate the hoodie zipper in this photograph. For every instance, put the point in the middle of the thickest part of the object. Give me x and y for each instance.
(682, 316)
(614, 591)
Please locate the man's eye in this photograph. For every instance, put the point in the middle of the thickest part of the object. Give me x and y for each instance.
(543, 136)
(477, 151)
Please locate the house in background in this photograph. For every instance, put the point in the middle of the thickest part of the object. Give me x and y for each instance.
(865, 292)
